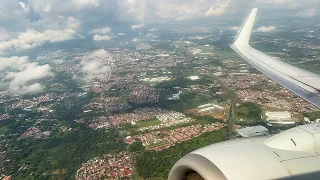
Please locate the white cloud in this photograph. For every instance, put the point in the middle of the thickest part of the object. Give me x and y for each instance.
(234, 28)
(308, 12)
(23, 74)
(14, 62)
(135, 39)
(149, 35)
(34, 88)
(266, 29)
(138, 26)
(86, 3)
(24, 6)
(100, 31)
(97, 65)
(219, 8)
(101, 34)
(51, 16)
(154, 29)
(31, 72)
(121, 34)
(32, 38)
(101, 38)
(101, 53)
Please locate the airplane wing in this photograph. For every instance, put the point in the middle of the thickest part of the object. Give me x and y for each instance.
(303, 83)
(293, 154)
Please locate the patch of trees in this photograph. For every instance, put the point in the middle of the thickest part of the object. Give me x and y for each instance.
(249, 110)
(64, 152)
(70, 109)
(150, 164)
(313, 115)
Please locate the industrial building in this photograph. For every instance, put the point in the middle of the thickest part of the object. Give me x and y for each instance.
(252, 131)
(279, 118)
(209, 107)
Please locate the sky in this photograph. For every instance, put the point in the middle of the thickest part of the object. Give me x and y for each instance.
(27, 24)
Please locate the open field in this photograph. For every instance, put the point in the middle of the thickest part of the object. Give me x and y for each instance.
(150, 122)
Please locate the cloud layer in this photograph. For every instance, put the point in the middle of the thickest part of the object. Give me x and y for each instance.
(37, 22)
(32, 38)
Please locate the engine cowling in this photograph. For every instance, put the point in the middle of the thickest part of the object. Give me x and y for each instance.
(277, 157)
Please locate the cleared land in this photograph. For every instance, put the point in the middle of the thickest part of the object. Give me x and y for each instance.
(146, 123)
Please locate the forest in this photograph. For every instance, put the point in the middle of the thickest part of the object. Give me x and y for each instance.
(60, 156)
(249, 110)
(151, 164)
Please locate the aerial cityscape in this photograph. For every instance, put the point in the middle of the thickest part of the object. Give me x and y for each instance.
(127, 106)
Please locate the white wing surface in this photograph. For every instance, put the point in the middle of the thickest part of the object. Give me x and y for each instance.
(303, 83)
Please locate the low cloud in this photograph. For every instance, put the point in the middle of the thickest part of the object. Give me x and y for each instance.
(101, 38)
(121, 34)
(154, 29)
(219, 8)
(100, 31)
(86, 3)
(34, 88)
(101, 34)
(31, 72)
(20, 73)
(33, 38)
(149, 35)
(101, 53)
(24, 6)
(234, 28)
(266, 29)
(15, 62)
(138, 26)
(97, 65)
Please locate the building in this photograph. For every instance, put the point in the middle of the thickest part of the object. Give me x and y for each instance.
(278, 115)
(209, 107)
(252, 131)
(193, 78)
(279, 118)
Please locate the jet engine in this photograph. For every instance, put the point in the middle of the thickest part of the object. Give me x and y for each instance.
(290, 155)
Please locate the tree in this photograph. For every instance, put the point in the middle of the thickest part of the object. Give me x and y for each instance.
(249, 110)
(136, 147)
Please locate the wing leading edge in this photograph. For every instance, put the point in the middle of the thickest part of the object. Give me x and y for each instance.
(303, 83)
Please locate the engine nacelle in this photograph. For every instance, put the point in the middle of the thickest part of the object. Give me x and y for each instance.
(292, 154)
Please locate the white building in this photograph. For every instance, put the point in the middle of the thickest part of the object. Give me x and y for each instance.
(279, 118)
(194, 78)
(209, 107)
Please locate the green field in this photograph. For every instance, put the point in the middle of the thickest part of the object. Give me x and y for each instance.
(146, 123)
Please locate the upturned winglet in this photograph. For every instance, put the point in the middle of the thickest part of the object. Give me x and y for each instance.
(244, 33)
